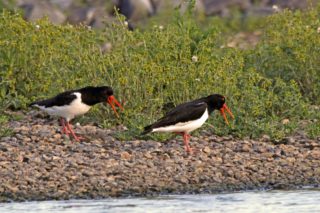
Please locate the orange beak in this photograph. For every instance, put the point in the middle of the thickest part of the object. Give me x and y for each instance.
(222, 109)
(112, 100)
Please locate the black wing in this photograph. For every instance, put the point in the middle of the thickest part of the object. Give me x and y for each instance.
(62, 99)
(182, 113)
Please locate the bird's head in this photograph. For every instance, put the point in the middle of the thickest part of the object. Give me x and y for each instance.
(107, 94)
(218, 102)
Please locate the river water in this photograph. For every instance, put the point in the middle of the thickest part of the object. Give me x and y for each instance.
(307, 200)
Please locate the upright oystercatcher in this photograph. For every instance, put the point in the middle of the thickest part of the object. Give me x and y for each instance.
(72, 103)
(189, 116)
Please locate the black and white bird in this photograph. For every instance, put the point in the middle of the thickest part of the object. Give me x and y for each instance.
(70, 104)
(189, 116)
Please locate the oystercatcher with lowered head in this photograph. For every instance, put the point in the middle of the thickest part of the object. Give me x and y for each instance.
(189, 116)
(72, 103)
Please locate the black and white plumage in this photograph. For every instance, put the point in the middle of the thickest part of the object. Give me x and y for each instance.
(189, 116)
(70, 104)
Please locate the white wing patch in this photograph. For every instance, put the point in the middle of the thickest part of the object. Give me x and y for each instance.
(185, 126)
(199, 104)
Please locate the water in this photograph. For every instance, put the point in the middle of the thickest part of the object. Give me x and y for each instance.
(260, 201)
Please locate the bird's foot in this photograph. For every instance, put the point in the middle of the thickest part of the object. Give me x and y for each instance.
(188, 149)
(71, 132)
(65, 131)
(78, 138)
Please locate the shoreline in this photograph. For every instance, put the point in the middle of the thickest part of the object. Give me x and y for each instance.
(38, 163)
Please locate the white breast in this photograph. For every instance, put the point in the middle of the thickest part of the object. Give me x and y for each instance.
(76, 107)
(185, 126)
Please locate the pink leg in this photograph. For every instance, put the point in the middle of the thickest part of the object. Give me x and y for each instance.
(72, 132)
(186, 138)
(64, 129)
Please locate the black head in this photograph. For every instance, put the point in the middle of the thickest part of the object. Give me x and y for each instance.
(104, 94)
(93, 95)
(218, 102)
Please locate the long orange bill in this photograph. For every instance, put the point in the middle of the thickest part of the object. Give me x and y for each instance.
(225, 107)
(112, 100)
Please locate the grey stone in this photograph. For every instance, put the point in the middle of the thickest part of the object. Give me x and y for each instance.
(37, 9)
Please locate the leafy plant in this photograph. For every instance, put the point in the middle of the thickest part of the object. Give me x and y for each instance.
(4, 130)
(148, 69)
(290, 49)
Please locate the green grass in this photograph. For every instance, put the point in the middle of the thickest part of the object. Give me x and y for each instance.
(4, 130)
(290, 49)
(313, 129)
(151, 67)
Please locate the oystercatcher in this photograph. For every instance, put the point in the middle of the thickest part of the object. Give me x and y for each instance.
(72, 103)
(189, 116)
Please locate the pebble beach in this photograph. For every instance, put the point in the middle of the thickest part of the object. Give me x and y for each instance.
(37, 162)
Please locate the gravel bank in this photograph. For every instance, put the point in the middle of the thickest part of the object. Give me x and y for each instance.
(38, 163)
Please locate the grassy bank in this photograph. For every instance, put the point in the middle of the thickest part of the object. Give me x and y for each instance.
(276, 80)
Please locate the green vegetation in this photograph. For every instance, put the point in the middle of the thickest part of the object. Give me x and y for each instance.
(4, 130)
(278, 79)
(290, 50)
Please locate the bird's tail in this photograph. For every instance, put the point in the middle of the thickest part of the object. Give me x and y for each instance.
(35, 104)
(147, 130)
